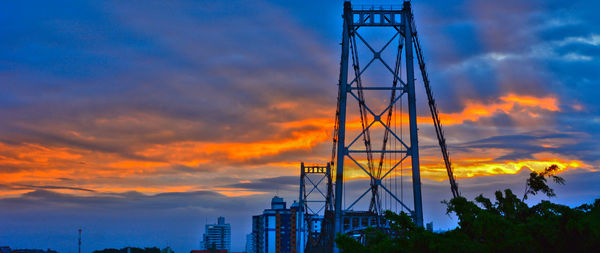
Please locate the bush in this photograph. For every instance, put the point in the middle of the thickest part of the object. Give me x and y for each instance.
(506, 225)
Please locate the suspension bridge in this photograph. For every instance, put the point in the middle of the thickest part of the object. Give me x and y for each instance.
(375, 136)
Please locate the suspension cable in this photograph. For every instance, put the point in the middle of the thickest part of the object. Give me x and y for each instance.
(402, 164)
(435, 116)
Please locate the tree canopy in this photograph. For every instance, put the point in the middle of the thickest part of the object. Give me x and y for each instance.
(507, 224)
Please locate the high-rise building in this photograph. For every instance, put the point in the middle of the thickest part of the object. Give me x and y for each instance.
(271, 231)
(250, 245)
(217, 236)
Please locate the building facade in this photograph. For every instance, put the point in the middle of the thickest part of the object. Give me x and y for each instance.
(271, 231)
(250, 244)
(217, 236)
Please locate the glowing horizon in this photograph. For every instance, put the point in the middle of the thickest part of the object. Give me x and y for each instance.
(41, 164)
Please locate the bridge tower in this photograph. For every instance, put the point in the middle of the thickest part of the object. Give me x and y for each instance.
(313, 215)
(377, 150)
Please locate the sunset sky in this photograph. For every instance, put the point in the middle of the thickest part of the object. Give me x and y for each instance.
(139, 121)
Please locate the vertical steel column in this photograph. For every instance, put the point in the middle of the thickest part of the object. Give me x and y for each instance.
(328, 203)
(341, 145)
(412, 114)
(300, 228)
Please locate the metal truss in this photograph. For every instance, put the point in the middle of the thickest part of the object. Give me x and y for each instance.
(377, 118)
(400, 21)
(345, 219)
(315, 201)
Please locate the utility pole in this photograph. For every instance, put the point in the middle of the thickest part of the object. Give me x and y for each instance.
(79, 242)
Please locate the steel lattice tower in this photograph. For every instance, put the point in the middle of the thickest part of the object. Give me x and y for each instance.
(315, 205)
(343, 219)
(401, 22)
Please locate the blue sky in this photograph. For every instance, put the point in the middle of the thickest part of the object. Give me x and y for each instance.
(139, 121)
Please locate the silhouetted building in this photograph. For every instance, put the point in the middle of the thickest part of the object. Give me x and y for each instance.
(5, 249)
(271, 231)
(209, 251)
(429, 226)
(217, 236)
(129, 250)
(33, 251)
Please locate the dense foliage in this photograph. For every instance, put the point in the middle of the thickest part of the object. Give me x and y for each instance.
(506, 225)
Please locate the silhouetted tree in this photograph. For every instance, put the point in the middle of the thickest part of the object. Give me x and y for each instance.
(507, 224)
(537, 182)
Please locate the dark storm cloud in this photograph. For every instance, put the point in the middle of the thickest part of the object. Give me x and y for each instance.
(190, 169)
(526, 144)
(518, 142)
(49, 187)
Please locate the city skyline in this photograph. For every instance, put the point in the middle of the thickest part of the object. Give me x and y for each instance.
(138, 122)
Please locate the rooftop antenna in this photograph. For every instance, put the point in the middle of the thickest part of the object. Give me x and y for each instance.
(79, 242)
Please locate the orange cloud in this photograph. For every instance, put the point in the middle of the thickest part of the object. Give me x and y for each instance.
(184, 152)
(39, 164)
(547, 103)
(236, 192)
(34, 154)
(475, 110)
(54, 164)
(473, 167)
(464, 169)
